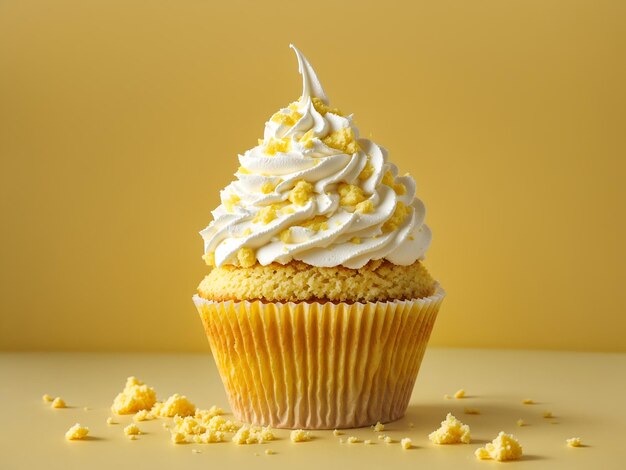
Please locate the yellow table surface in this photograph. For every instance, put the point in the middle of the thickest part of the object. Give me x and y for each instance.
(585, 391)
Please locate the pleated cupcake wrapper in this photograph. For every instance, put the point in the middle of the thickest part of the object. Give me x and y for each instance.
(318, 366)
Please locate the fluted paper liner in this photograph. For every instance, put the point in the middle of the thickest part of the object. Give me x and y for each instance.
(318, 365)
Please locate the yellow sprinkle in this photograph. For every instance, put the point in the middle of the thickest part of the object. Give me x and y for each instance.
(243, 171)
(388, 440)
(111, 421)
(246, 257)
(528, 401)
(47, 398)
(269, 452)
(301, 193)
(378, 427)
(76, 432)
(58, 403)
(397, 218)
(132, 430)
(406, 443)
(520, 422)
(353, 440)
(459, 393)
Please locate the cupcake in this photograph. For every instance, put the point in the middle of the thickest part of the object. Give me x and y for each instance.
(317, 307)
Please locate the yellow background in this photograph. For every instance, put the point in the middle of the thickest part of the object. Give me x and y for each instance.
(121, 120)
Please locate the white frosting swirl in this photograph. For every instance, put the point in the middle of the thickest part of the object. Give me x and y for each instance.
(315, 192)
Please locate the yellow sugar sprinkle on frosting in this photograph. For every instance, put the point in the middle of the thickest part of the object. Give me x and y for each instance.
(274, 146)
(230, 203)
(286, 119)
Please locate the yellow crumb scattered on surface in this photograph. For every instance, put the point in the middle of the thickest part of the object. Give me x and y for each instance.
(574, 442)
(86, 408)
(299, 435)
(132, 430)
(58, 403)
(178, 438)
(253, 435)
(142, 415)
(337, 432)
(135, 397)
(452, 431)
(176, 405)
(520, 422)
(47, 398)
(111, 421)
(502, 448)
(76, 432)
(388, 440)
(269, 452)
(548, 414)
(378, 427)
(196, 451)
(353, 440)
(367, 442)
(528, 401)
(411, 425)
(301, 193)
(471, 411)
(459, 393)
(447, 397)
(406, 443)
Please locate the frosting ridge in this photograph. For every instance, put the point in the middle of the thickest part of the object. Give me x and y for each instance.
(312, 190)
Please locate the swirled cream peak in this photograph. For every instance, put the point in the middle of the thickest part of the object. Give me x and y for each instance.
(312, 190)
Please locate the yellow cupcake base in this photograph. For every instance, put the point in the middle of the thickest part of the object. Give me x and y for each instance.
(318, 366)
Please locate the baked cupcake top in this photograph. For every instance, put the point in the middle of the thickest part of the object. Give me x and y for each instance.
(313, 191)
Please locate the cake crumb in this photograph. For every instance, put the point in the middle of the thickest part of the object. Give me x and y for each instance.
(388, 440)
(548, 414)
(269, 452)
(406, 443)
(574, 442)
(178, 438)
(378, 427)
(459, 393)
(142, 415)
(76, 433)
(111, 421)
(299, 435)
(502, 448)
(47, 398)
(471, 411)
(353, 440)
(337, 432)
(367, 442)
(196, 451)
(451, 431)
(528, 401)
(136, 396)
(132, 430)
(250, 434)
(381, 436)
(58, 403)
(520, 422)
(175, 405)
